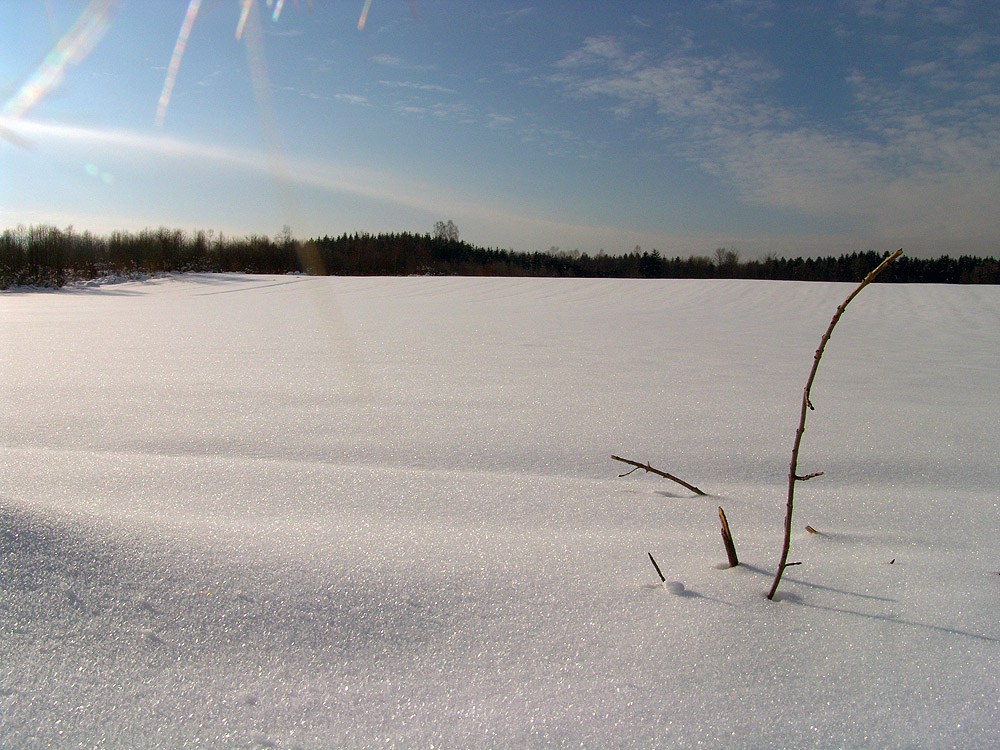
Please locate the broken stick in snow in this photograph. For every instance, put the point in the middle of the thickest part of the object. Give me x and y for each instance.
(652, 560)
(647, 467)
(727, 540)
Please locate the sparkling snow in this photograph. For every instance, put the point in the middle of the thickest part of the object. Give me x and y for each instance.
(295, 512)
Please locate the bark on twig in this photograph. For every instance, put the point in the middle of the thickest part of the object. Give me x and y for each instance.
(647, 467)
(793, 477)
(727, 540)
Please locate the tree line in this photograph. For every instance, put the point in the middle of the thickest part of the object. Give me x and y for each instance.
(51, 257)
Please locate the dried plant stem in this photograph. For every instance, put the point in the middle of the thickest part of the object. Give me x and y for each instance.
(647, 467)
(793, 477)
(727, 540)
(653, 560)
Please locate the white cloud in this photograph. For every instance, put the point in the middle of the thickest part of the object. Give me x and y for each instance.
(927, 157)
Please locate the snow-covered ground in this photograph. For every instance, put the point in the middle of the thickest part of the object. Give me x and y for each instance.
(249, 511)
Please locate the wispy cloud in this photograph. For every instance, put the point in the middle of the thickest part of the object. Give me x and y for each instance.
(520, 14)
(391, 61)
(284, 33)
(317, 96)
(594, 50)
(685, 89)
(497, 120)
(926, 157)
(352, 99)
(433, 87)
(415, 98)
(454, 112)
(752, 13)
(887, 11)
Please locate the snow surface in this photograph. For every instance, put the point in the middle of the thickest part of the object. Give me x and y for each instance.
(276, 511)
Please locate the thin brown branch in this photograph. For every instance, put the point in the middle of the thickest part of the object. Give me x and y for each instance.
(664, 474)
(806, 406)
(807, 477)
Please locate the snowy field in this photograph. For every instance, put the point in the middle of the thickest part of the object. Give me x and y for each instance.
(294, 512)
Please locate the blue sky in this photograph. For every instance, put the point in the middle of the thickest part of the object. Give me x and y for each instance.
(799, 128)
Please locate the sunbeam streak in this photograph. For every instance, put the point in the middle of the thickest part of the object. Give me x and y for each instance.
(175, 61)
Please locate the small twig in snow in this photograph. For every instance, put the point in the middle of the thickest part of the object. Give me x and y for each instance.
(664, 474)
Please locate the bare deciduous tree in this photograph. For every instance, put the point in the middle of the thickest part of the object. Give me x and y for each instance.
(446, 231)
(726, 260)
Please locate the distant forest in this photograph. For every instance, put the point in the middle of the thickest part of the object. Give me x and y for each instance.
(50, 257)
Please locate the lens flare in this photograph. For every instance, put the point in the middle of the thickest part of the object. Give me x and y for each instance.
(71, 49)
(277, 9)
(175, 60)
(244, 12)
(364, 15)
(97, 173)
